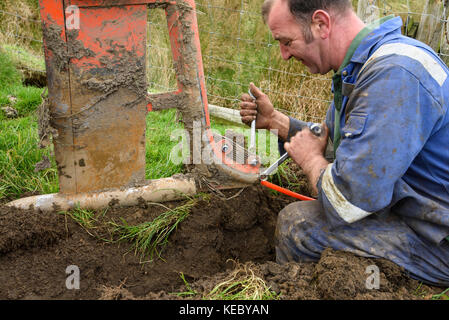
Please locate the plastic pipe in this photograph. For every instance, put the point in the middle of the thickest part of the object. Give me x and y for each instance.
(160, 190)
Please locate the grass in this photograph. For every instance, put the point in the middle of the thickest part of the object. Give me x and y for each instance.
(91, 221)
(24, 58)
(147, 239)
(442, 296)
(28, 98)
(86, 218)
(241, 284)
(18, 155)
(150, 237)
(9, 76)
(159, 144)
(189, 291)
(18, 137)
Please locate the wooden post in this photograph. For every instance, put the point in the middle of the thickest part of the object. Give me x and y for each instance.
(444, 44)
(411, 27)
(368, 11)
(431, 24)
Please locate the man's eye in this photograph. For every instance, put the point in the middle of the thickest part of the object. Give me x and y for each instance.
(287, 44)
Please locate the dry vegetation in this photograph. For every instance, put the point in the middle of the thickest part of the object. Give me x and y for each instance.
(237, 48)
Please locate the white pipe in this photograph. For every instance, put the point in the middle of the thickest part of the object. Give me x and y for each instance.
(226, 114)
(160, 190)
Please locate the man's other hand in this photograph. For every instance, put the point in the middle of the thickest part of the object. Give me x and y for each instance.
(307, 150)
(261, 109)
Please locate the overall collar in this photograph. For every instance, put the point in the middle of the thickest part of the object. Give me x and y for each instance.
(378, 30)
(358, 52)
(367, 38)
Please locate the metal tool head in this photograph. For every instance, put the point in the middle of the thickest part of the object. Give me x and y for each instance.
(264, 175)
(316, 129)
(251, 94)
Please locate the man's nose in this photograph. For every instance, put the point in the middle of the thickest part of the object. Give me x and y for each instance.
(285, 53)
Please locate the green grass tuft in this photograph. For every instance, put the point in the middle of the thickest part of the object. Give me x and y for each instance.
(150, 237)
(18, 155)
(158, 146)
(9, 75)
(189, 291)
(442, 296)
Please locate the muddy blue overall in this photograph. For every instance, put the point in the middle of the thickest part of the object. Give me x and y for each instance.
(386, 194)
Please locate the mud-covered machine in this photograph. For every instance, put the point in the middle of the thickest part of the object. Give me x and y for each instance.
(95, 53)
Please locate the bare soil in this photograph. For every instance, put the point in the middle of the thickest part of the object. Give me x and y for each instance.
(36, 249)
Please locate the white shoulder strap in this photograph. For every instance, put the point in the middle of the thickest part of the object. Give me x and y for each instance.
(433, 67)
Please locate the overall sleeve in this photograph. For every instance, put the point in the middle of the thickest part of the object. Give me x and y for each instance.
(295, 125)
(392, 115)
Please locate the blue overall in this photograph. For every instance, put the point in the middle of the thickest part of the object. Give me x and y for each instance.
(386, 194)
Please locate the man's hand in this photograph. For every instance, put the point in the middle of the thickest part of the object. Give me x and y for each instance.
(307, 151)
(261, 110)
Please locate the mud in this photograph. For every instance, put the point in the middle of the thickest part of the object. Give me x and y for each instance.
(337, 276)
(124, 70)
(45, 129)
(57, 46)
(75, 48)
(36, 249)
(33, 263)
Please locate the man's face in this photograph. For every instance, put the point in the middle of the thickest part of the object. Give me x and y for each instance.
(286, 29)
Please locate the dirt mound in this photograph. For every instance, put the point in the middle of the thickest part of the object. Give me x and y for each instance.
(337, 276)
(222, 234)
(26, 230)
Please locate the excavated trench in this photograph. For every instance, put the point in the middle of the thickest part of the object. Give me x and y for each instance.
(236, 226)
(36, 248)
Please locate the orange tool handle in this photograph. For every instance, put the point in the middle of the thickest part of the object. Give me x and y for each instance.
(285, 191)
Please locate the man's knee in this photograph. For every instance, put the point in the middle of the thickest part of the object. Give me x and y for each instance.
(292, 225)
(297, 213)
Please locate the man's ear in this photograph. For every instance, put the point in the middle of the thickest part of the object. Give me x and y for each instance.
(321, 24)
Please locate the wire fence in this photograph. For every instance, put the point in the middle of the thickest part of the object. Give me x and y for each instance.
(237, 49)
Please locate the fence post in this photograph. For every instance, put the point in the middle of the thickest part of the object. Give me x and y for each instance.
(444, 44)
(431, 24)
(368, 11)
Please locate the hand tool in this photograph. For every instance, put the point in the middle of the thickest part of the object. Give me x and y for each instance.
(315, 128)
(252, 141)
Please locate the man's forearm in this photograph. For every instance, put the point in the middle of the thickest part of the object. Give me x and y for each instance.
(281, 123)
